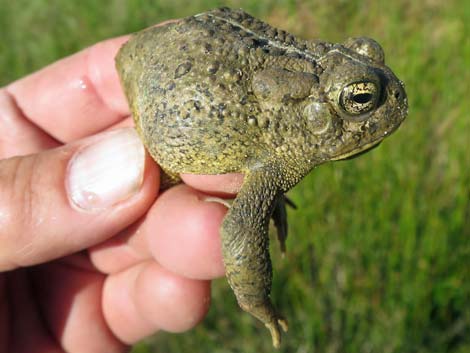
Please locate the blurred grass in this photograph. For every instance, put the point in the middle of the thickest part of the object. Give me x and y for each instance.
(379, 252)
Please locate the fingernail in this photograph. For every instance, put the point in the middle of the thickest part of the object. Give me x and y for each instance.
(226, 202)
(107, 171)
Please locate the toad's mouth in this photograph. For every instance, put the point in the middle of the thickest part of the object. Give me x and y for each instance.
(356, 153)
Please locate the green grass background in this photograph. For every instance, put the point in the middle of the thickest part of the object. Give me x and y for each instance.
(379, 252)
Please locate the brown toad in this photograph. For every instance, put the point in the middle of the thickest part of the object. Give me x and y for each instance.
(223, 92)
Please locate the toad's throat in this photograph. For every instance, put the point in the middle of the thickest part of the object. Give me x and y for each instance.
(356, 153)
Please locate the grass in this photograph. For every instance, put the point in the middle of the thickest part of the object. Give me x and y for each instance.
(379, 252)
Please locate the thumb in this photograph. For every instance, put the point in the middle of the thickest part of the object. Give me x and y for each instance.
(64, 200)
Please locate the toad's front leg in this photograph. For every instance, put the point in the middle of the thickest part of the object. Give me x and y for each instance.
(245, 246)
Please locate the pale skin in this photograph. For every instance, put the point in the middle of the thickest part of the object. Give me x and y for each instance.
(112, 276)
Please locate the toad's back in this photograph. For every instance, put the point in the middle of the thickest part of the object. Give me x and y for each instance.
(189, 84)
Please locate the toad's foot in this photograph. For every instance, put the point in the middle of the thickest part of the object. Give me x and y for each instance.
(273, 322)
(275, 332)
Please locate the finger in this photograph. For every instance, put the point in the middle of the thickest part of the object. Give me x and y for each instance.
(19, 135)
(224, 185)
(74, 311)
(25, 317)
(67, 199)
(127, 122)
(4, 315)
(79, 88)
(180, 231)
(124, 250)
(146, 298)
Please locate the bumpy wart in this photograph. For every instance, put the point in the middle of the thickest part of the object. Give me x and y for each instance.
(223, 92)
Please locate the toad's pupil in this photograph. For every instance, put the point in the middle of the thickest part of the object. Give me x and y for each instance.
(362, 98)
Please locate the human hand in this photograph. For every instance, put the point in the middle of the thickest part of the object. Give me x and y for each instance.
(92, 257)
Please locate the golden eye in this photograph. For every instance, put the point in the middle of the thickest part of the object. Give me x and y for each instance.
(359, 97)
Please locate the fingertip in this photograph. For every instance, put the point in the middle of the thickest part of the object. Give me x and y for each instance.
(101, 69)
(221, 185)
(187, 239)
(179, 303)
(147, 298)
(86, 84)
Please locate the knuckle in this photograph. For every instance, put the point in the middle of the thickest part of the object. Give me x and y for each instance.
(18, 209)
(11, 118)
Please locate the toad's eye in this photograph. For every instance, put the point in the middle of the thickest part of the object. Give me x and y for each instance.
(359, 97)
